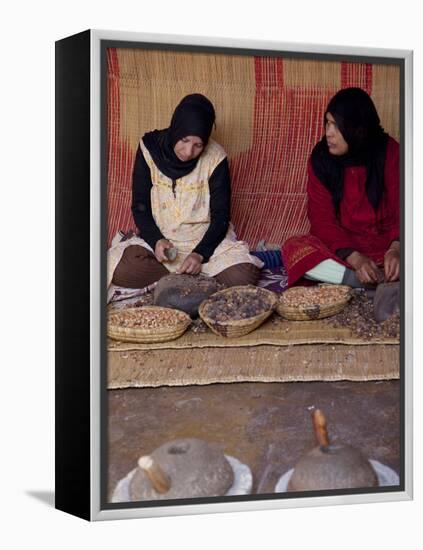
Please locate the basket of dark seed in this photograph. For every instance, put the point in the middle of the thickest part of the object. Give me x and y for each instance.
(314, 302)
(238, 310)
(147, 324)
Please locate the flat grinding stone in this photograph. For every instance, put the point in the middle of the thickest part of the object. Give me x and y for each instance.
(339, 467)
(184, 292)
(242, 485)
(195, 468)
(386, 301)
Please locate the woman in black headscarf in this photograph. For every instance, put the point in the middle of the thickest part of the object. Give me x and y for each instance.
(181, 200)
(353, 200)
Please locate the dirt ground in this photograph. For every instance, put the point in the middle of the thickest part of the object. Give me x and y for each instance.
(265, 425)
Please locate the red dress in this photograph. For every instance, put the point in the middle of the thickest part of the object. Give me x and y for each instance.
(358, 226)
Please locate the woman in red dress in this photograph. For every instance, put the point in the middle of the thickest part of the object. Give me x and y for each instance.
(353, 200)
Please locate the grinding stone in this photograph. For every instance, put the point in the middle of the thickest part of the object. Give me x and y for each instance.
(242, 485)
(184, 292)
(195, 468)
(386, 301)
(386, 477)
(340, 467)
(171, 253)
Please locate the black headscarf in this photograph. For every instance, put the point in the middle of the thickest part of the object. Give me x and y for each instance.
(357, 119)
(194, 116)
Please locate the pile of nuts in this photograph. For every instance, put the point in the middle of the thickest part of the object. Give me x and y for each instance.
(147, 318)
(314, 295)
(358, 315)
(235, 305)
(138, 301)
(146, 300)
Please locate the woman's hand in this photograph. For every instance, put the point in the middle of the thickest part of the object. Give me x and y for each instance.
(192, 264)
(159, 249)
(366, 270)
(392, 262)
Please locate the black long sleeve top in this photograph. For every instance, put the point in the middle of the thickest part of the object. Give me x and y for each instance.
(220, 201)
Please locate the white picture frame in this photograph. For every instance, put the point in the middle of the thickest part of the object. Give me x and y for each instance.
(81, 355)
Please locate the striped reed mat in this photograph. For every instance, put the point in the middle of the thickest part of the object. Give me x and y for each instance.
(264, 363)
(278, 351)
(275, 331)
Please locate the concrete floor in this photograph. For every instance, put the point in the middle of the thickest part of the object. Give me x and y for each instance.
(265, 425)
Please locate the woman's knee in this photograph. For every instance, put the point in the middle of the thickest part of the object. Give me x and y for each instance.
(138, 268)
(135, 252)
(239, 274)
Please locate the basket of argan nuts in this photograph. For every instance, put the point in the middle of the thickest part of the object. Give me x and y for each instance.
(147, 324)
(313, 302)
(238, 310)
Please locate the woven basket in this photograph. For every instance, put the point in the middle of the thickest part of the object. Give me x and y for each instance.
(312, 311)
(236, 328)
(146, 335)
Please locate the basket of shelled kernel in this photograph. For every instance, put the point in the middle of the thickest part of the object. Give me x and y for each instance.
(147, 324)
(238, 310)
(313, 302)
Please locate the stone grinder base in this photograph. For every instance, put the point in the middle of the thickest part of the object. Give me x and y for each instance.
(242, 485)
(386, 477)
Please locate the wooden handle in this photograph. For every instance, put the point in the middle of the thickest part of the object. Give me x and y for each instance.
(320, 428)
(159, 480)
